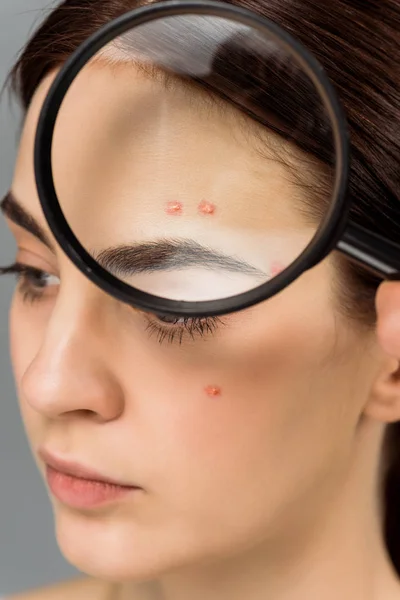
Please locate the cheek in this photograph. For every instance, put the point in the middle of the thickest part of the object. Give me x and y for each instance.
(284, 393)
(27, 328)
(26, 331)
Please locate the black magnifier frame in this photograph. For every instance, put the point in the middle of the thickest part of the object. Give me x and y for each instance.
(362, 246)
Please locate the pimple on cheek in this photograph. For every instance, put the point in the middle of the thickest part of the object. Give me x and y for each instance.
(213, 391)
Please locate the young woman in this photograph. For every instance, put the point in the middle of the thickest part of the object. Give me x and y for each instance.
(283, 486)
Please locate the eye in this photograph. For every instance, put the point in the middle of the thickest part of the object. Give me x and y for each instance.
(170, 320)
(32, 282)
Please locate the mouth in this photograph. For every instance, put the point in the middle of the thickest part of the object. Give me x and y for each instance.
(80, 487)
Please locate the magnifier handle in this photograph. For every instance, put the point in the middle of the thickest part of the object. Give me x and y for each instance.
(371, 251)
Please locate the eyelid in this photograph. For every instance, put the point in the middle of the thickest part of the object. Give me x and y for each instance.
(21, 234)
(28, 256)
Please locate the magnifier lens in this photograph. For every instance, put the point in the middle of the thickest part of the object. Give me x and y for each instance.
(184, 157)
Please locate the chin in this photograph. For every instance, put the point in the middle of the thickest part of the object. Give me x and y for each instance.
(114, 549)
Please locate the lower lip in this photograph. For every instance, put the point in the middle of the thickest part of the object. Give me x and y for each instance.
(83, 493)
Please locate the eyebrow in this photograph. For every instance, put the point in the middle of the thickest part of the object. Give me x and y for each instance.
(13, 210)
(169, 255)
(145, 257)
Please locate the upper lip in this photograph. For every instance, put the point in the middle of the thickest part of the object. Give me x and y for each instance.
(76, 470)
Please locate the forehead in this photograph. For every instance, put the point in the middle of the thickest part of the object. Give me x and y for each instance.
(126, 145)
(119, 117)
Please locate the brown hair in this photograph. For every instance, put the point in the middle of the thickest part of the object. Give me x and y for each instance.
(359, 45)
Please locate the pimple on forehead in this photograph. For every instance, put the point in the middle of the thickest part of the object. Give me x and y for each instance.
(207, 208)
(174, 208)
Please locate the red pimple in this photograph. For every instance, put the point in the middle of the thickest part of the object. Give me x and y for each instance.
(213, 390)
(207, 208)
(276, 268)
(174, 208)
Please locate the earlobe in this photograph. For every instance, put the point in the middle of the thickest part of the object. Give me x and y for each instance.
(384, 400)
(388, 318)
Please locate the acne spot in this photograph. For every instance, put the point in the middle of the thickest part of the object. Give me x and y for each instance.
(174, 208)
(207, 208)
(213, 391)
(276, 268)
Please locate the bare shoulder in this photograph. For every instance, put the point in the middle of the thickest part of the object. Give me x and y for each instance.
(76, 589)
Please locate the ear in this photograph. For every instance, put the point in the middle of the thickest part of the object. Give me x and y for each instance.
(384, 400)
(388, 318)
(383, 403)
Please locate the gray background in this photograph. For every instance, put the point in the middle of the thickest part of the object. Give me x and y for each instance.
(29, 556)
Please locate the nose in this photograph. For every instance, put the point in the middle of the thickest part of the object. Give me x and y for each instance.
(72, 372)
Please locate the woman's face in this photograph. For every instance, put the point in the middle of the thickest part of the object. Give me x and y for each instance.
(125, 394)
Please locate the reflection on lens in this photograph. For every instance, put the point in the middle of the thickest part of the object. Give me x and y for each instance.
(179, 158)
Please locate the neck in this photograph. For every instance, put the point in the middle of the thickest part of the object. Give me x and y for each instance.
(341, 554)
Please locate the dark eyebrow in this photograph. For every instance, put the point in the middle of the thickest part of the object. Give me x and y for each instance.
(12, 209)
(148, 257)
(168, 255)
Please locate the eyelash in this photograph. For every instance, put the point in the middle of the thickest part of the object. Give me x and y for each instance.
(32, 283)
(192, 327)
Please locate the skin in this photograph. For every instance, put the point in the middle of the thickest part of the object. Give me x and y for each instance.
(388, 322)
(269, 490)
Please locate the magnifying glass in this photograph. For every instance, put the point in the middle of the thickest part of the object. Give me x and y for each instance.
(208, 166)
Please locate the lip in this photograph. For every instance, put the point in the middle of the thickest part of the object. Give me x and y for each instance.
(78, 471)
(80, 487)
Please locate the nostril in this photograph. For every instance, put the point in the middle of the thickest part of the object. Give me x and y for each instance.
(83, 414)
(91, 414)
